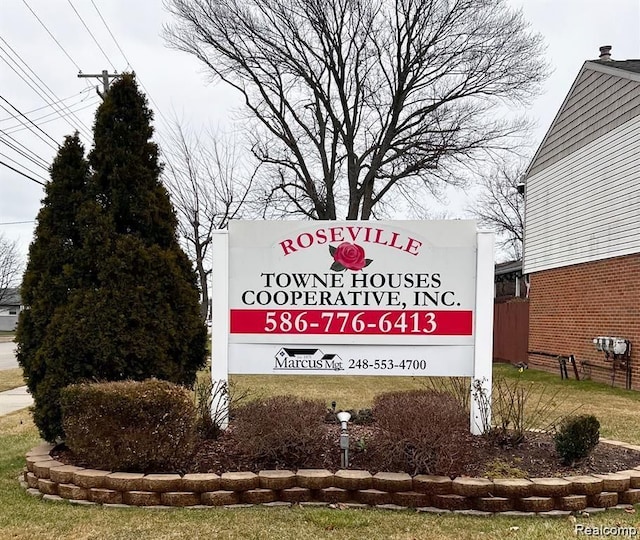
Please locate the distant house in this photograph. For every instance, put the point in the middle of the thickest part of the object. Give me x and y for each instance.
(10, 306)
(509, 282)
(582, 225)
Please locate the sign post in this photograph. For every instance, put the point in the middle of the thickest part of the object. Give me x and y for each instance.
(355, 298)
(481, 380)
(220, 322)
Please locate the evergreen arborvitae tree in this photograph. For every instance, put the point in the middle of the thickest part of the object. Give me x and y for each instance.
(126, 169)
(133, 312)
(51, 272)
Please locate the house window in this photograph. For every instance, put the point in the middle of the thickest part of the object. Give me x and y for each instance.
(13, 312)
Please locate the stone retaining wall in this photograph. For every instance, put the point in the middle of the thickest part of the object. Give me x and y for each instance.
(43, 476)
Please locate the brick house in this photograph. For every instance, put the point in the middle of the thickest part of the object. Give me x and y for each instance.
(582, 224)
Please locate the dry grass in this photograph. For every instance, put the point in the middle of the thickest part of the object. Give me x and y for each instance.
(17, 423)
(349, 392)
(11, 378)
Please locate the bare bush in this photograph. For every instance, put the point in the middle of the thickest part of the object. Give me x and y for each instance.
(421, 432)
(519, 406)
(281, 430)
(457, 387)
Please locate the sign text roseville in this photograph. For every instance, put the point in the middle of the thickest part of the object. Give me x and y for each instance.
(349, 298)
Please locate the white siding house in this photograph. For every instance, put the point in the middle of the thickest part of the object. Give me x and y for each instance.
(583, 184)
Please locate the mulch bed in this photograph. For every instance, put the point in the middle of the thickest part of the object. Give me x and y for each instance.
(534, 457)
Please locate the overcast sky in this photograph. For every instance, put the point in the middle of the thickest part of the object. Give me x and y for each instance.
(177, 85)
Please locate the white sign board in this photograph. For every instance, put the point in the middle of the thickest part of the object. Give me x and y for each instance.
(353, 298)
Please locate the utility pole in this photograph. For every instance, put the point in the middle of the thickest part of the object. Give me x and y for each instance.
(105, 76)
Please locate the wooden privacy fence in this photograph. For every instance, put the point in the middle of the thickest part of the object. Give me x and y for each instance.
(511, 331)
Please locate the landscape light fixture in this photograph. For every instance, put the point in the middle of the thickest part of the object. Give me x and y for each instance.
(344, 417)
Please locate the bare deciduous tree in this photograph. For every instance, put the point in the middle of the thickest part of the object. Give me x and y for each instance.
(208, 187)
(500, 206)
(354, 99)
(10, 266)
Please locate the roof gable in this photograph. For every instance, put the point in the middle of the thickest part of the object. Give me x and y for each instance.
(10, 297)
(628, 65)
(604, 95)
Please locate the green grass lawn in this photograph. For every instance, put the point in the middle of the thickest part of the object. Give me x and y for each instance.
(24, 517)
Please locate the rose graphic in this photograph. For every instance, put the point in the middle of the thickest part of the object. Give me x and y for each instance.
(348, 256)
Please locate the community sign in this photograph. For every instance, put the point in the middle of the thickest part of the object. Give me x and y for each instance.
(352, 298)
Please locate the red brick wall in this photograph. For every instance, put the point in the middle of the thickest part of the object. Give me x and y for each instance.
(570, 306)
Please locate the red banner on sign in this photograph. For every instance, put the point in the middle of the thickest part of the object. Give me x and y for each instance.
(379, 322)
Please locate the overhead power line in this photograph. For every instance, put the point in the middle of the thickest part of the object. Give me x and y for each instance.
(18, 143)
(48, 92)
(52, 36)
(21, 173)
(18, 222)
(49, 105)
(36, 126)
(21, 165)
(24, 152)
(111, 34)
(41, 88)
(91, 34)
(41, 119)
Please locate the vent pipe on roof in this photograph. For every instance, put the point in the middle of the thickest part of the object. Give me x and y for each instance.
(605, 53)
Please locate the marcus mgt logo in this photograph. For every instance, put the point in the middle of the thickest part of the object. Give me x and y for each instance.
(289, 359)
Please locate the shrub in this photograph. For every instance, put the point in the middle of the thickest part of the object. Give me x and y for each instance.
(420, 432)
(281, 431)
(577, 437)
(130, 426)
